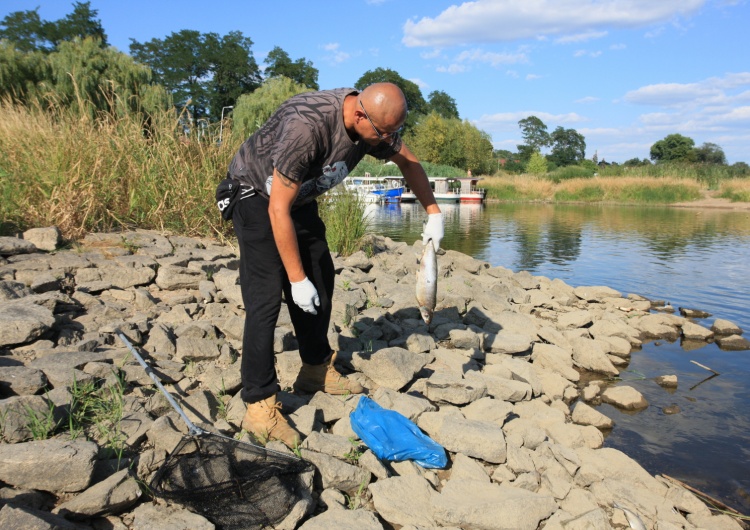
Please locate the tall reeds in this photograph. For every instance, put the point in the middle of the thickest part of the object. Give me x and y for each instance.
(63, 167)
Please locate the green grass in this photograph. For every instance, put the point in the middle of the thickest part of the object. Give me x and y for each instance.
(502, 192)
(343, 213)
(592, 193)
(96, 411)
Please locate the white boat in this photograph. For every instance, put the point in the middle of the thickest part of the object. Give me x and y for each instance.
(469, 191)
(376, 189)
(443, 190)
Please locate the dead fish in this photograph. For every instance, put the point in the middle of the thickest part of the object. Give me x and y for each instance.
(634, 521)
(427, 282)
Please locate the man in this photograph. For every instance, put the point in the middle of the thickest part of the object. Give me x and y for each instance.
(307, 146)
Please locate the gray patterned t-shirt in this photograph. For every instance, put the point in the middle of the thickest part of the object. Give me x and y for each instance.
(305, 140)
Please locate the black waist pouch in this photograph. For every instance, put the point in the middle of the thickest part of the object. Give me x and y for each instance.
(228, 193)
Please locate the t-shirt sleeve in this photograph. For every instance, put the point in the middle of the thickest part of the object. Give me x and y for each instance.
(294, 149)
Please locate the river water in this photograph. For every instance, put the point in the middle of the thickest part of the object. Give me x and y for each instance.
(693, 258)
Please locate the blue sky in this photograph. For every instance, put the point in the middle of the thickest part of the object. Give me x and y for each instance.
(624, 73)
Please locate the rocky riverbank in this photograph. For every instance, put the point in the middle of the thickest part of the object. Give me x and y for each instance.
(496, 379)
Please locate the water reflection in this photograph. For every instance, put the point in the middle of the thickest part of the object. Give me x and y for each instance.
(690, 258)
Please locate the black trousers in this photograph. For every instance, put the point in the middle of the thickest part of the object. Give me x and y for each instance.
(263, 279)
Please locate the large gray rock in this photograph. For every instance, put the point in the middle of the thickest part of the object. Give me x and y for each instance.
(23, 417)
(27, 518)
(13, 290)
(22, 322)
(390, 367)
(113, 495)
(404, 500)
(10, 246)
(43, 238)
(473, 505)
(589, 355)
(21, 380)
(584, 414)
(625, 397)
(331, 519)
(49, 465)
(478, 439)
(149, 516)
(595, 293)
(173, 278)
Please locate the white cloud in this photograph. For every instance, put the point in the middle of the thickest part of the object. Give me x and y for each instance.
(581, 37)
(492, 58)
(533, 77)
(586, 53)
(434, 54)
(504, 118)
(335, 55)
(421, 84)
(506, 20)
(711, 91)
(619, 46)
(512, 73)
(587, 99)
(453, 69)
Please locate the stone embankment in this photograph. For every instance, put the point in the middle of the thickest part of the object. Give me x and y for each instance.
(495, 379)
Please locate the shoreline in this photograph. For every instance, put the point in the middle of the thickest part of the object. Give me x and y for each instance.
(494, 379)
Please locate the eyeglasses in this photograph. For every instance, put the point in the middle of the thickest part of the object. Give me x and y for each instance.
(387, 137)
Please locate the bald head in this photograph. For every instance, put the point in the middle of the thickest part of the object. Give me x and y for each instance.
(385, 104)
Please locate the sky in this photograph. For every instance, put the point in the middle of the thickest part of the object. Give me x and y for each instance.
(624, 73)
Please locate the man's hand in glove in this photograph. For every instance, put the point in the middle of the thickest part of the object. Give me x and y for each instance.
(305, 295)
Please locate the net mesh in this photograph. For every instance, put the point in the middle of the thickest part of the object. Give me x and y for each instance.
(233, 484)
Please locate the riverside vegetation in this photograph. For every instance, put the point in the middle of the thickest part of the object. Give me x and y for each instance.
(87, 170)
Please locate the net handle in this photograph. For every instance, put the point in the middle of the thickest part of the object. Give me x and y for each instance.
(150, 372)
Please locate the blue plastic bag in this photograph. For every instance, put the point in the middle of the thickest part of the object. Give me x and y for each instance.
(392, 436)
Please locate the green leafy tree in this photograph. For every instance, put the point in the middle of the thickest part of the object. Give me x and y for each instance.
(203, 72)
(535, 136)
(86, 76)
(300, 71)
(672, 148)
(452, 142)
(443, 104)
(234, 70)
(28, 32)
(414, 99)
(252, 110)
(537, 164)
(429, 138)
(568, 147)
(710, 153)
(21, 72)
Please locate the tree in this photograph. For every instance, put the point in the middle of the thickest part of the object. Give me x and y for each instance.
(252, 110)
(537, 164)
(30, 33)
(234, 70)
(443, 104)
(202, 71)
(710, 153)
(83, 73)
(24, 30)
(673, 147)
(568, 147)
(535, 136)
(300, 71)
(414, 99)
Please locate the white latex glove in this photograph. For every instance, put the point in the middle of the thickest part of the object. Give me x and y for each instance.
(434, 230)
(305, 295)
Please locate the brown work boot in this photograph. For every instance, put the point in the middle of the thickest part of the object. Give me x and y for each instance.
(264, 420)
(324, 377)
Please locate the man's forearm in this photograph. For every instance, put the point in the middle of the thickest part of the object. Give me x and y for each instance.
(283, 193)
